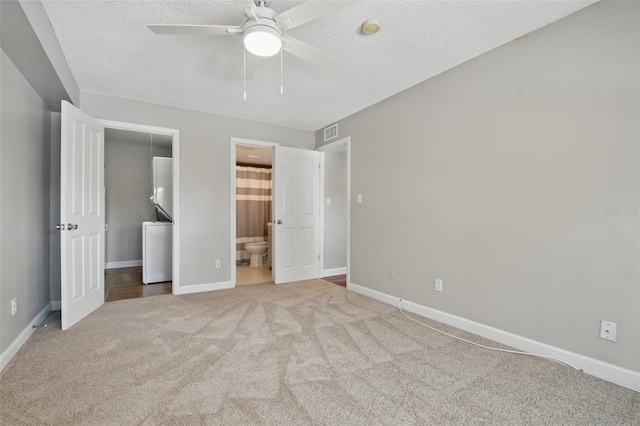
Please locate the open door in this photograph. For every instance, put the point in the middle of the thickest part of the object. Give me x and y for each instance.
(81, 214)
(296, 214)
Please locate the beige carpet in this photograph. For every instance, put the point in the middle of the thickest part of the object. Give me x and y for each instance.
(295, 354)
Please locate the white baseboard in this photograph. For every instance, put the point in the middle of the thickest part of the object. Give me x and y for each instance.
(22, 338)
(56, 305)
(199, 288)
(334, 271)
(618, 375)
(123, 264)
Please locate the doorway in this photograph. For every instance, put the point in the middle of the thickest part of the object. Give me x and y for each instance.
(130, 160)
(335, 187)
(295, 240)
(174, 135)
(82, 210)
(252, 212)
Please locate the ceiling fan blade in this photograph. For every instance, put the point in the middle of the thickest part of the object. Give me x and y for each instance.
(309, 53)
(196, 29)
(249, 8)
(310, 10)
(252, 63)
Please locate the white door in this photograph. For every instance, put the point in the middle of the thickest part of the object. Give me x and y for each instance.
(296, 214)
(82, 214)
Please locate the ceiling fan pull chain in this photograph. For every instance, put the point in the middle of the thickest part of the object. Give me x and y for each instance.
(244, 71)
(281, 81)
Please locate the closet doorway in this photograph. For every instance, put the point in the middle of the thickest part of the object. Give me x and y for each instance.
(252, 210)
(335, 210)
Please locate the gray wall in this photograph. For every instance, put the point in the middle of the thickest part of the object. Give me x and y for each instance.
(24, 211)
(335, 215)
(497, 175)
(54, 209)
(27, 37)
(205, 143)
(128, 183)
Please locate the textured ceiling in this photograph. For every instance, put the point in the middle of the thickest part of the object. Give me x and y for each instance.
(111, 51)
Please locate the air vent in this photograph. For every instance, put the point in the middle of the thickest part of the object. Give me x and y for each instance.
(331, 132)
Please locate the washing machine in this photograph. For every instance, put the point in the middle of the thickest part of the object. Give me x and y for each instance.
(156, 252)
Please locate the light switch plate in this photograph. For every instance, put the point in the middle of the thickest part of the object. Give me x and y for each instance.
(438, 284)
(359, 199)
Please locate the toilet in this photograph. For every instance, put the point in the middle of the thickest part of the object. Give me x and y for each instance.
(257, 251)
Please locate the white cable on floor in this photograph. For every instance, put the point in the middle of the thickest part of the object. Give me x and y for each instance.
(483, 346)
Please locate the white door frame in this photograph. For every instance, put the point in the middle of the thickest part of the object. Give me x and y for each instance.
(323, 149)
(175, 154)
(232, 192)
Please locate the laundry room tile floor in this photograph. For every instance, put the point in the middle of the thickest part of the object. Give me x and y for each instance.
(340, 280)
(126, 283)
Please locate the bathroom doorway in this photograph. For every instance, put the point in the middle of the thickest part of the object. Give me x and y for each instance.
(252, 210)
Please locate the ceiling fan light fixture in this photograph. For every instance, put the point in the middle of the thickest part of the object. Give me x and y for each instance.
(262, 40)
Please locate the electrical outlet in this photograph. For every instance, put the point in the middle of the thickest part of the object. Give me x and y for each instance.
(217, 263)
(359, 199)
(608, 330)
(438, 284)
(14, 306)
(392, 274)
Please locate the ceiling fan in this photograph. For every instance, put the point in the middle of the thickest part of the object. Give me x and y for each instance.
(265, 30)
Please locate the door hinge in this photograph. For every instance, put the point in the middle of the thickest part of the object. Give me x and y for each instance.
(318, 257)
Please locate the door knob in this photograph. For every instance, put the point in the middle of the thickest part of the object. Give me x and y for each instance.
(60, 227)
(72, 226)
(279, 222)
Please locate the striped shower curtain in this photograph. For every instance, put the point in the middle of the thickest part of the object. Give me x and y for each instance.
(253, 207)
